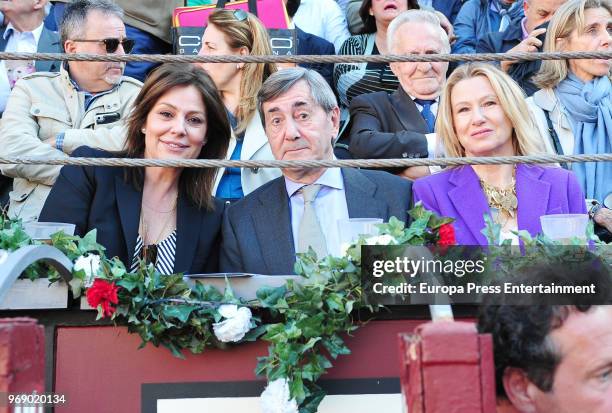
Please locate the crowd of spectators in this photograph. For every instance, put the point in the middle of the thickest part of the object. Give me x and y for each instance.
(256, 219)
(385, 110)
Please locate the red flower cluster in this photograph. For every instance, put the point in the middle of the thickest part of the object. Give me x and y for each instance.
(103, 293)
(447, 235)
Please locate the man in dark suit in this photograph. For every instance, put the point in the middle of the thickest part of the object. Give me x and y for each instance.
(525, 34)
(395, 126)
(263, 231)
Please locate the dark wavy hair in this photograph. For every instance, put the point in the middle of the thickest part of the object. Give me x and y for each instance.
(521, 332)
(196, 183)
(369, 23)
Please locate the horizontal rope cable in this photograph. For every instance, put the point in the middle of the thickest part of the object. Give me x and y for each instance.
(159, 58)
(353, 163)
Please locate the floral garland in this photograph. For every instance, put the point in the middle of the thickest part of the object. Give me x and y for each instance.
(309, 318)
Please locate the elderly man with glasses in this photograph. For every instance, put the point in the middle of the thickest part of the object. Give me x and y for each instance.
(50, 114)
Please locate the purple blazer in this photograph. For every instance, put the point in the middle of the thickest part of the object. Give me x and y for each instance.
(456, 193)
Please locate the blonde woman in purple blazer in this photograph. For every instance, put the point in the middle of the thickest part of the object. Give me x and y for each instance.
(483, 113)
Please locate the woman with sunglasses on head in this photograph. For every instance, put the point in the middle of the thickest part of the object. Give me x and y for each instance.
(573, 108)
(483, 112)
(166, 216)
(236, 32)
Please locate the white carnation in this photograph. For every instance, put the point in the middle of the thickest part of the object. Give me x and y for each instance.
(384, 239)
(276, 398)
(236, 324)
(89, 263)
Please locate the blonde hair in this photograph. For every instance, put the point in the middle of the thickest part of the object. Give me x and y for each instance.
(568, 18)
(252, 34)
(526, 138)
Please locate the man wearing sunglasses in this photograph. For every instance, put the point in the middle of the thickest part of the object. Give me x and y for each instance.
(49, 115)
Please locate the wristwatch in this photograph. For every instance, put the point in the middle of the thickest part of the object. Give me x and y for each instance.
(594, 208)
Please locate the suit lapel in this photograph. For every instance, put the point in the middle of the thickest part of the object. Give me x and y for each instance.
(469, 200)
(407, 112)
(45, 45)
(129, 202)
(360, 196)
(272, 221)
(188, 229)
(3, 41)
(532, 194)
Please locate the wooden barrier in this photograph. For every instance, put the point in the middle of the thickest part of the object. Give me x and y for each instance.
(447, 367)
(22, 358)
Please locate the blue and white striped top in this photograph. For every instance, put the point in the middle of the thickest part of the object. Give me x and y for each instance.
(166, 251)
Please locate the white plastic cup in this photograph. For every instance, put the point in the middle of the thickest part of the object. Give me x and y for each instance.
(350, 229)
(563, 227)
(44, 230)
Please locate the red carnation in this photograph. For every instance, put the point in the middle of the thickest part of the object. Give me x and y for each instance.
(447, 235)
(103, 293)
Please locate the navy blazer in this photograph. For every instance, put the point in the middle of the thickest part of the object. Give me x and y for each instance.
(99, 198)
(257, 234)
(309, 44)
(385, 126)
(49, 42)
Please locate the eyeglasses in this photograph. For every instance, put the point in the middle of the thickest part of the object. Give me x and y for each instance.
(240, 15)
(148, 254)
(111, 44)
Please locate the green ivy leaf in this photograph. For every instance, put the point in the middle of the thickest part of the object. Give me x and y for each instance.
(296, 389)
(269, 296)
(181, 312)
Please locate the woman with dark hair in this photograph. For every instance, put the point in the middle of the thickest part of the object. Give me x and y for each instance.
(165, 216)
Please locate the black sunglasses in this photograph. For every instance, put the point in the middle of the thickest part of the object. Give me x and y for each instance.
(112, 44)
(148, 254)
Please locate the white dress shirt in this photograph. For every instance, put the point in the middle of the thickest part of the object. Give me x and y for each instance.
(330, 206)
(26, 42)
(323, 18)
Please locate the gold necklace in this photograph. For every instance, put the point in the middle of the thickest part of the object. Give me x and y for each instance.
(503, 199)
(144, 227)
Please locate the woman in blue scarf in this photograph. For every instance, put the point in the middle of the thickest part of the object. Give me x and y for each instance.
(574, 106)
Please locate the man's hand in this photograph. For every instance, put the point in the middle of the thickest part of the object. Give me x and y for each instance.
(530, 44)
(52, 143)
(447, 26)
(414, 172)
